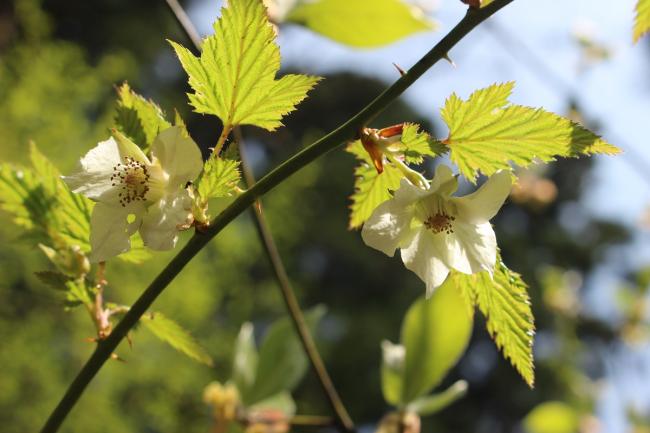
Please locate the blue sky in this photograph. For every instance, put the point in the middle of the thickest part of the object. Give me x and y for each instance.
(616, 92)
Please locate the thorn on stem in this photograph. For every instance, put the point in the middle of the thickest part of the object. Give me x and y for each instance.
(447, 58)
(401, 71)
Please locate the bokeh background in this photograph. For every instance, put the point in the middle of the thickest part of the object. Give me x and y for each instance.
(577, 230)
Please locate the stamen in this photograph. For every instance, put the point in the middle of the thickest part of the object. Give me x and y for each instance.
(440, 222)
(132, 178)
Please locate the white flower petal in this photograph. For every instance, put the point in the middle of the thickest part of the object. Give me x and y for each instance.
(386, 226)
(472, 248)
(483, 204)
(422, 256)
(409, 193)
(179, 156)
(93, 173)
(160, 225)
(110, 230)
(444, 182)
(129, 148)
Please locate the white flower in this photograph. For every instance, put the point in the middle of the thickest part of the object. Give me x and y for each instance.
(135, 193)
(437, 232)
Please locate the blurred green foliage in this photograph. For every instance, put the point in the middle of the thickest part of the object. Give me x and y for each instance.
(59, 63)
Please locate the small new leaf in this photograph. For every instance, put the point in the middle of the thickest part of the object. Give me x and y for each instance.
(138, 118)
(54, 279)
(371, 189)
(418, 144)
(504, 301)
(486, 133)
(173, 334)
(642, 21)
(219, 178)
(234, 78)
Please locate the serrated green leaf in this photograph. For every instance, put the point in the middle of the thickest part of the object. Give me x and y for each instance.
(418, 144)
(431, 404)
(504, 301)
(54, 279)
(642, 20)
(552, 417)
(138, 118)
(219, 178)
(486, 134)
(173, 334)
(41, 203)
(234, 78)
(361, 23)
(370, 188)
(282, 362)
(244, 363)
(435, 333)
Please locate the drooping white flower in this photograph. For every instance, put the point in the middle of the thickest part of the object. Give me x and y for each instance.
(437, 232)
(134, 192)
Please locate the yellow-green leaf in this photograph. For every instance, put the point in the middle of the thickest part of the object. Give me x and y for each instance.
(138, 118)
(219, 178)
(642, 21)
(173, 334)
(552, 417)
(370, 188)
(435, 334)
(486, 134)
(418, 144)
(234, 78)
(361, 23)
(503, 300)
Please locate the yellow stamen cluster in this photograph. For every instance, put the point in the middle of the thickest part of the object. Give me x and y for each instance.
(133, 179)
(440, 222)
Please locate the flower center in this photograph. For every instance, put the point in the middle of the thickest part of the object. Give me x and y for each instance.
(440, 222)
(132, 178)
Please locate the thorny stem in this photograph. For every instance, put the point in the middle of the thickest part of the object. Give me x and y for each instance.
(331, 141)
(306, 339)
(270, 247)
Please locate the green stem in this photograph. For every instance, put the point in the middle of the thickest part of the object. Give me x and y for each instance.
(266, 238)
(290, 300)
(326, 144)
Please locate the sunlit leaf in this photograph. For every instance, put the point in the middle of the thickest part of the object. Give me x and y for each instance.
(642, 20)
(435, 333)
(431, 404)
(234, 78)
(370, 188)
(487, 134)
(504, 301)
(418, 144)
(552, 417)
(173, 334)
(361, 23)
(219, 178)
(138, 118)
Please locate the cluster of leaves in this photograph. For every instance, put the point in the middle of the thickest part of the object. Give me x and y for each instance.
(265, 377)
(435, 333)
(486, 134)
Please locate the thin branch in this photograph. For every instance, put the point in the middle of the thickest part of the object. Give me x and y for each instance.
(266, 238)
(331, 141)
(307, 341)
